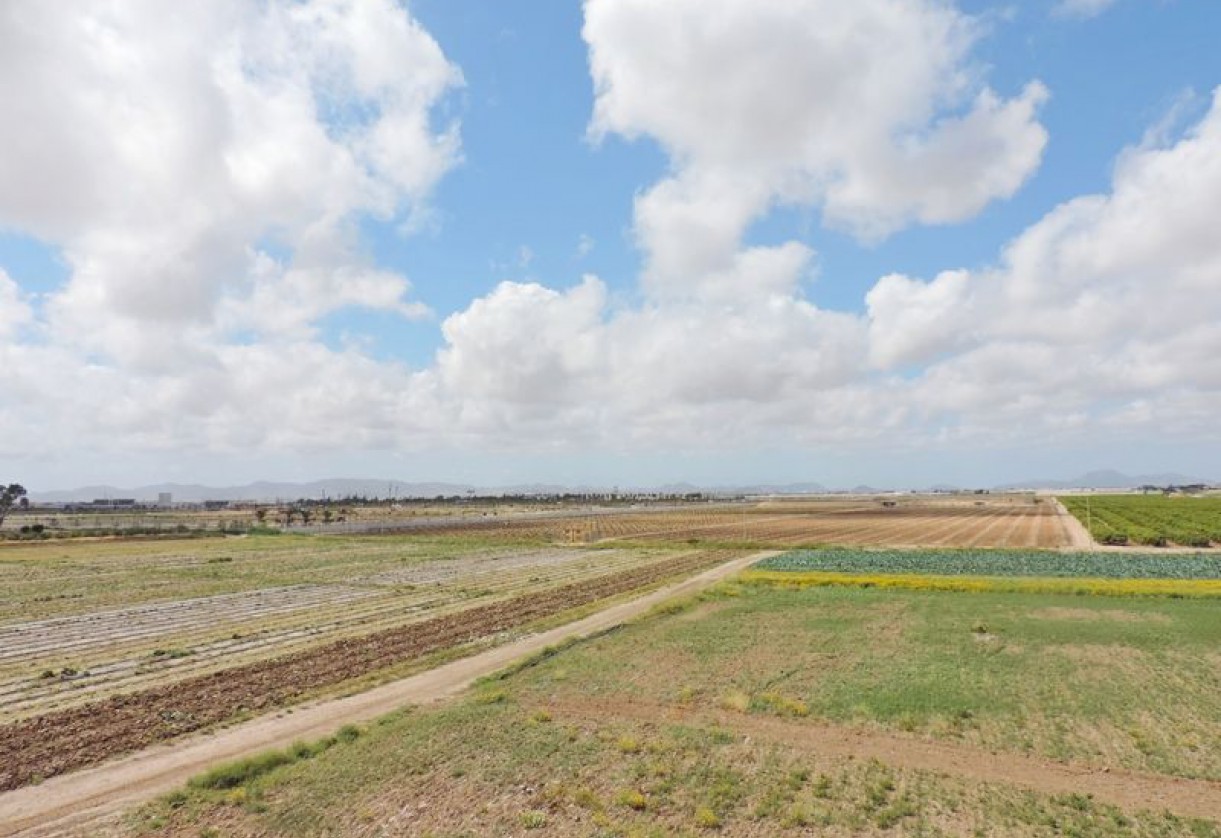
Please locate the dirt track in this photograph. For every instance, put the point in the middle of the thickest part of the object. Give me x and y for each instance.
(1127, 790)
(74, 803)
(1078, 536)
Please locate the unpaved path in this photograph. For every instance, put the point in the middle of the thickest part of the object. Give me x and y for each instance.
(1126, 790)
(1078, 536)
(73, 803)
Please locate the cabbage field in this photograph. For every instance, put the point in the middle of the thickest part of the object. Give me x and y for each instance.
(1150, 520)
(1033, 563)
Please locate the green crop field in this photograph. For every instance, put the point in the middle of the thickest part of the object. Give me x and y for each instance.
(1152, 520)
(1036, 563)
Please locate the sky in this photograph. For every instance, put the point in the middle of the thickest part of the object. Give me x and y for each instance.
(618, 242)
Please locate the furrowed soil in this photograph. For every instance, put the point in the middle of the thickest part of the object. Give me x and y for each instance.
(1000, 521)
(61, 741)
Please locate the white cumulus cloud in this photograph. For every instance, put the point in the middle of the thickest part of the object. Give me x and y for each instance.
(166, 149)
(871, 110)
(203, 167)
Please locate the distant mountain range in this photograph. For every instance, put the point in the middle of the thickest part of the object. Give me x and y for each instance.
(1108, 479)
(347, 487)
(260, 491)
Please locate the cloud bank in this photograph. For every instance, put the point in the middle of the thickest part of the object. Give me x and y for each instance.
(204, 172)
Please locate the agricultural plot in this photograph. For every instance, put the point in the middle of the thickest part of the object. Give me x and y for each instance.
(997, 522)
(1030, 571)
(54, 663)
(757, 710)
(1001, 563)
(219, 657)
(1150, 520)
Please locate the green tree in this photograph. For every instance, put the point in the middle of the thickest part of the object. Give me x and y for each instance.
(9, 496)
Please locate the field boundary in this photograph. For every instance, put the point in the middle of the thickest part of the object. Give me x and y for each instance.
(73, 801)
(1078, 536)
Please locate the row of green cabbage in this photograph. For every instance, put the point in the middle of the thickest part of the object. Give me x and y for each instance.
(1043, 563)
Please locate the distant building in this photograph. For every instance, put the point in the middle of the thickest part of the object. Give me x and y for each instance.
(165, 498)
(115, 503)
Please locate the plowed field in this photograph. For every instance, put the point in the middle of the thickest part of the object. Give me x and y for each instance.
(1004, 522)
(55, 663)
(60, 741)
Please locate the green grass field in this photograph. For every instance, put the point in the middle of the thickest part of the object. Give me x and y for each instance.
(695, 721)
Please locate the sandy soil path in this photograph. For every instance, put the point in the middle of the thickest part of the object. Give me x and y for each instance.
(73, 804)
(1078, 536)
(1126, 790)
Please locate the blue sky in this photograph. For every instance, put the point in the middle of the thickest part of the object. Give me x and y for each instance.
(528, 249)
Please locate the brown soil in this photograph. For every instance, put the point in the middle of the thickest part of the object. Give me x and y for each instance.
(1092, 615)
(996, 522)
(1127, 790)
(65, 740)
(1075, 533)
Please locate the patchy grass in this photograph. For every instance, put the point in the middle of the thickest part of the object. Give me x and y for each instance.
(1118, 682)
(1131, 682)
(484, 769)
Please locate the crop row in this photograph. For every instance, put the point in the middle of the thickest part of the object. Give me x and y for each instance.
(862, 522)
(1151, 520)
(112, 656)
(1177, 588)
(1035, 563)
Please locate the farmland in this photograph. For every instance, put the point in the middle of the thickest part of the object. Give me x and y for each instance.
(1150, 520)
(1002, 521)
(109, 646)
(771, 711)
(1001, 563)
(95, 647)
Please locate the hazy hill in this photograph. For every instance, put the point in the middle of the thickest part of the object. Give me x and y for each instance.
(1108, 479)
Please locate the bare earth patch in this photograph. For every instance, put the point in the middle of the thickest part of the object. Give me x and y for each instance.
(1091, 614)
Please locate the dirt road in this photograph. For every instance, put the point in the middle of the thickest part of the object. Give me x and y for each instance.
(1079, 537)
(74, 803)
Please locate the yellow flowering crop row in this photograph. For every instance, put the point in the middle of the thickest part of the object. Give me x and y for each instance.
(1192, 588)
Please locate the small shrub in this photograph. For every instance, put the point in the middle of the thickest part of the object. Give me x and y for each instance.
(632, 799)
(628, 745)
(348, 734)
(533, 819)
(735, 700)
(238, 773)
(705, 818)
(587, 799)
